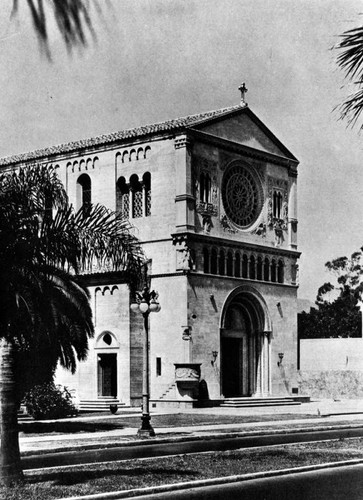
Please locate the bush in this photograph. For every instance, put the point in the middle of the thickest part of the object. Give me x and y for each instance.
(47, 401)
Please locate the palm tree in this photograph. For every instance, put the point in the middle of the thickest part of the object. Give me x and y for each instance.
(73, 19)
(44, 248)
(350, 60)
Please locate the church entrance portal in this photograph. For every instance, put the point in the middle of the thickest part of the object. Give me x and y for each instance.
(107, 375)
(245, 347)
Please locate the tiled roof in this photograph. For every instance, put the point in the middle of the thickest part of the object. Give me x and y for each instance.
(156, 128)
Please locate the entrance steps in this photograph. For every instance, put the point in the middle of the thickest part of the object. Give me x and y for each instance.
(102, 404)
(244, 402)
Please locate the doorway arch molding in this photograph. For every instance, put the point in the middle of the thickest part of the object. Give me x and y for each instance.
(253, 296)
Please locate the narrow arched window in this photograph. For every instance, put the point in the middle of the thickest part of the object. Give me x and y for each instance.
(259, 268)
(229, 264)
(221, 263)
(266, 270)
(273, 271)
(237, 266)
(214, 261)
(205, 187)
(280, 272)
(123, 198)
(136, 197)
(244, 266)
(147, 193)
(252, 268)
(84, 193)
(277, 204)
(206, 260)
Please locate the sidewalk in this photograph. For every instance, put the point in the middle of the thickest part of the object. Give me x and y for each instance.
(317, 414)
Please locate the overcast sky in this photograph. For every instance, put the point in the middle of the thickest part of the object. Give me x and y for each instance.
(160, 59)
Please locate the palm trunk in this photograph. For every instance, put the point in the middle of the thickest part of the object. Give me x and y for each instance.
(10, 464)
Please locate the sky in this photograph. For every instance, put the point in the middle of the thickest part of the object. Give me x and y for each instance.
(154, 60)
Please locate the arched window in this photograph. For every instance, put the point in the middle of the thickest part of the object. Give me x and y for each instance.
(221, 263)
(252, 268)
(214, 261)
(280, 272)
(237, 266)
(206, 260)
(147, 193)
(205, 187)
(273, 271)
(259, 268)
(136, 197)
(277, 204)
(229, 264)
(244, 266)
(266, 270)
(123, 198)
(84, 194)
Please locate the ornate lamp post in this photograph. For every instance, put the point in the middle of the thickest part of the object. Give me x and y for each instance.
(146, 302)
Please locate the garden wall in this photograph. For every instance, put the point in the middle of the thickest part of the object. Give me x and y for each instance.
(331, 368)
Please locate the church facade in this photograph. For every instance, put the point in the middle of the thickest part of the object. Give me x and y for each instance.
(213, 200)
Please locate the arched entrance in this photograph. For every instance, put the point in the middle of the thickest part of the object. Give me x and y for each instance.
(245, 344)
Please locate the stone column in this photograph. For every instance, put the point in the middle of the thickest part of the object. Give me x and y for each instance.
(184, 199)
(292, 217)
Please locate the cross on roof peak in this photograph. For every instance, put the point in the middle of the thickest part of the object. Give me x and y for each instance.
(243, 89)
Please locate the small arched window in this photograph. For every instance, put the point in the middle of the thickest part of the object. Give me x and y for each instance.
(244, 266)
(229, 264)
(136, 193)
(221, 266)
(259, 268)
(252, 268)
(237, 266)
(214, 261)
(277, 204)
(147, 193)
(205, 187)
(84, 193)
(266, 270)
(123, 198)
(206, 260)
(280, 272)
(273, 271)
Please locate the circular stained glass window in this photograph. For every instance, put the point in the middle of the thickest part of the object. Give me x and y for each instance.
(242, 195)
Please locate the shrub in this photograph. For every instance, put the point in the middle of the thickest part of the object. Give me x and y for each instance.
(48, 401)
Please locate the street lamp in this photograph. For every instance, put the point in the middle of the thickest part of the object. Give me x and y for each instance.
(146, 302)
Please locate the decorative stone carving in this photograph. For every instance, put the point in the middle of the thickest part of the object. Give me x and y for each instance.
(226, 224)
(295, 274)
(181, 142)
(187, 372)
(260, 230)
(184, 261)
(206, 208)
(279, 234)
(207, 223)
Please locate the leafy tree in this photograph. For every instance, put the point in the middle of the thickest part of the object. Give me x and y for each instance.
(350, 59)
(338, 312)
(44, 303)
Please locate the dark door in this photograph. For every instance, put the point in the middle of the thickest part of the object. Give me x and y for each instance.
(107, 375)
(231, 366)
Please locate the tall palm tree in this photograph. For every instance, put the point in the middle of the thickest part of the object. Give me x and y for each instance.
(73, 19)
(44, 248)
(350, 60)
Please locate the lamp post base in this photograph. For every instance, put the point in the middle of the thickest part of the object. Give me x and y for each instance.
(146, 429)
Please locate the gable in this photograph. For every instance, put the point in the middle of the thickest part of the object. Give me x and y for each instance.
(242, 129)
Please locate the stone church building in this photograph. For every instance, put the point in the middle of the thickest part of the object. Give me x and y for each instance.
(213, 200)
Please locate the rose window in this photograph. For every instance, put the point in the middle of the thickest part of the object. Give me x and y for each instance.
(242, 196)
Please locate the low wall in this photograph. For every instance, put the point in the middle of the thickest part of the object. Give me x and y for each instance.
(331, 368)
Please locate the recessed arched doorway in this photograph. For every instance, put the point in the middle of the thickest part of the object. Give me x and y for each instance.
(245, 344)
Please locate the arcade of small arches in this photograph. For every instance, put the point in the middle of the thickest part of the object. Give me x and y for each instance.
(134, 154)
(235, 264)
(83, 164)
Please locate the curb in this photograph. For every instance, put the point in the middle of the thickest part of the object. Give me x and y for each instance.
(115, 495)
(178, 439)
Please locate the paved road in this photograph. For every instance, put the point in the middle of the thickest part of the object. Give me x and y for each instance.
(158, 449)
(329, 484)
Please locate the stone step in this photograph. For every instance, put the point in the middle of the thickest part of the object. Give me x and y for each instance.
(99, 404)
(261, 405)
